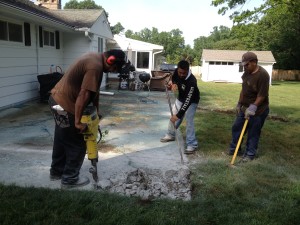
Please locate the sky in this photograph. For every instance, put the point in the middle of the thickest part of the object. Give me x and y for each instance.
(194, 18)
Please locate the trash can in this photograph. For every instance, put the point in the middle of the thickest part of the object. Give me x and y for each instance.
(47, 82)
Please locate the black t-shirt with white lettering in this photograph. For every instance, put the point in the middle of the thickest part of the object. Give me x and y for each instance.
(188, 92)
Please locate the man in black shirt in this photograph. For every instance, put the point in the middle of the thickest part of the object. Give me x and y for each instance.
(185, 105)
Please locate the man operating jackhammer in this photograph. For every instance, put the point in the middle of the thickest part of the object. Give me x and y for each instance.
(78, 88)
(185, 105)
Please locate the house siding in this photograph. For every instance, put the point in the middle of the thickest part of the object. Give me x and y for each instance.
(18, 69)
(48, 56)
(101, 27)
(20, 65)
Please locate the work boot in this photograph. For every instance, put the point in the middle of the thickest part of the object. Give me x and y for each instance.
(247, 159)
(167, 138)
(79, 183)
(54, 177)
(190, 150)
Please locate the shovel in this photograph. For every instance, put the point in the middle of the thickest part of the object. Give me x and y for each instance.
(176, 131)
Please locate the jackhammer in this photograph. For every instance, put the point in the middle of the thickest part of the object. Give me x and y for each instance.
(92, 137)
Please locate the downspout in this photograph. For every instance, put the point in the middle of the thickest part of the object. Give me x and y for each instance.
(153, 59)
(37, 49)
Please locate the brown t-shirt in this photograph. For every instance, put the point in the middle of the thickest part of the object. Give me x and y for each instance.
(85, 73)
(255, 85)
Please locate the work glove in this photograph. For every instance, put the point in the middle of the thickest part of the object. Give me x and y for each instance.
(250, 111)
(169, 85)
(238, 108)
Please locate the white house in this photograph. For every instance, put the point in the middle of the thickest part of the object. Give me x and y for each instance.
(143, 55)
(32, 38)
(223, 65)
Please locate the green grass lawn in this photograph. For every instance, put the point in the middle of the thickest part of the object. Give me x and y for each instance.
(264, 191)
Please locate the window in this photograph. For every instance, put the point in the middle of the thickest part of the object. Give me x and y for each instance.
(100, 45)
(220, 63)
(49, 38)
(11, 31)
(143, 60)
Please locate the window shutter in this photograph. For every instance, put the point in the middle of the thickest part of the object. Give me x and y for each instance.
(41, 36)
(27, 34)
(57, 40)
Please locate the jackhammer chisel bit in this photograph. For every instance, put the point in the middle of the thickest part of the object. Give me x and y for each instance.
(93, 170)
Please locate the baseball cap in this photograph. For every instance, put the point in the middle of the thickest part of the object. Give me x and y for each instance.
(247, 57)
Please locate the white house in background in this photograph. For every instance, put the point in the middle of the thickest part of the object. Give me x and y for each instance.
(223, 65)
(143, 55)
(32, 38)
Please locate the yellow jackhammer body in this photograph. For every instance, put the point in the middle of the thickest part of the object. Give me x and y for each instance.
(92, 136)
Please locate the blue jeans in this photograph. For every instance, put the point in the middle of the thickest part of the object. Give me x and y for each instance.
(190, 127)
(253, 129)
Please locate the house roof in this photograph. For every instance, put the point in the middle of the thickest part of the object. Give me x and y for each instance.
(72, 18)
(235, 55)
(125, 43)
(31, 8)
(78, 17)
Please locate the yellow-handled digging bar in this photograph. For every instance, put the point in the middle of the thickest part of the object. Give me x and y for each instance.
(239, 142)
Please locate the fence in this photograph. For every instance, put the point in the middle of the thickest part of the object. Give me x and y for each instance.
(286, 75)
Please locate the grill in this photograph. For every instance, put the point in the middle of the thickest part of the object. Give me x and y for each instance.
(144, 77)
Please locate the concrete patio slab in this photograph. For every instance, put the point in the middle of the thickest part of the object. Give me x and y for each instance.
(135, 122)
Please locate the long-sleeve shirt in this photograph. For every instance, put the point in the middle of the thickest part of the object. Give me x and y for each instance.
(188, 92)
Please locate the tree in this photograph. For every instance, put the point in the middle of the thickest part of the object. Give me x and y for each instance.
(118, 28)
(219, 38)
(172, 41)
(129, 33)
(85, 4)
(220, 33)
(273, 25)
